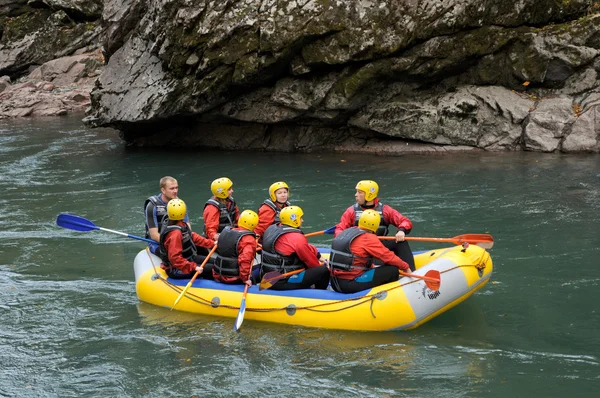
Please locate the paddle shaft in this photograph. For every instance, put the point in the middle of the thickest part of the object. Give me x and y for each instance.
(484, 240)
(281, 276)
(470, 238)
(128, 235)
(328, 231)
(425, 278)
(314, 233)
(194, 277)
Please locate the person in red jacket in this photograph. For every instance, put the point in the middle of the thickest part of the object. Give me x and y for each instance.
(353, 253)
(268, 212)
(285, 249)
(366, 198)
(179, 245)
(220, 210)
(236, 251)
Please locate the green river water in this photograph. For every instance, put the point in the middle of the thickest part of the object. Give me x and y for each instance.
(71, 324)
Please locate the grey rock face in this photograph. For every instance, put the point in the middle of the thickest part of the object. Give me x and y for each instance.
(463, 73)
(35, 32)
(583, 136)
(357, 75)
(4, 83)
(89, 9)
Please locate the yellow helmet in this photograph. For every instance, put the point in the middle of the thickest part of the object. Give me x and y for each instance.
(291, 216)
(248, 220)
(370, 220)
(220, 186)
(275, 186)
(369, 187)
(176, 209)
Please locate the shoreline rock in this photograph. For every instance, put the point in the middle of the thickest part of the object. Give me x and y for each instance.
(56, 88)
(351, 76)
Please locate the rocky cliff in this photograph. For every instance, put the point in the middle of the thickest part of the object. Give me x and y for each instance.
(346, 75)
(49, 56)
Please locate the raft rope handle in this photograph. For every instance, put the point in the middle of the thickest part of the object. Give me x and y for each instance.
(202, 300)
(371, 306)
(370, 297)
(480, 264)
(152, 261)
(378, 295)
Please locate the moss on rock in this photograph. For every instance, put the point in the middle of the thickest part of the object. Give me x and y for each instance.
(18, 27)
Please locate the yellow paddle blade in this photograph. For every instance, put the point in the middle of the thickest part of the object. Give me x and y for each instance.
(270, 278)
(184, 290)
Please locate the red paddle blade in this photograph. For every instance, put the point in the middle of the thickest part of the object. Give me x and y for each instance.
(482, 240)
(435, 279)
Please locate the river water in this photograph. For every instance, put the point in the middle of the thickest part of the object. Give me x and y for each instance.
(71, 324)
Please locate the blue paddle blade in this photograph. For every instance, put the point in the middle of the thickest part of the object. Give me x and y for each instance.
(240, 316)
(330, 230)
(75, 223)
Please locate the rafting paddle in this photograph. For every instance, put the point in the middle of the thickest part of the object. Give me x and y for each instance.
(270, 278)
(81, 224)
(328, 231)
(240, 316)
(483, 240)
(194, 277)
(431, 278)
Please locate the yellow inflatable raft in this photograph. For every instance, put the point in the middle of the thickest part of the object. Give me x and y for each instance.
(400, 305)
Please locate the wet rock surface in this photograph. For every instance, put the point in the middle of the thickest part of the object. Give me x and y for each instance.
(362, 76)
